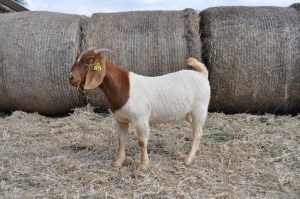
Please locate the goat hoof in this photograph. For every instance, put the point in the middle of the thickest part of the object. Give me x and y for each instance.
(143, 167)
(187, 162)
(117, 164)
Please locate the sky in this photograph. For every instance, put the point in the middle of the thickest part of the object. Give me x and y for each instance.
(88, 7)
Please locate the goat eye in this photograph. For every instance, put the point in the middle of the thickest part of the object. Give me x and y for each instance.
(88, 62)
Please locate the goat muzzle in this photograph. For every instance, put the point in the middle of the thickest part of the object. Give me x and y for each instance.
(73, 81)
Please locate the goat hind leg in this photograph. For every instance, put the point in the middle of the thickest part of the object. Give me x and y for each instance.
(195, 146)
(197, 123)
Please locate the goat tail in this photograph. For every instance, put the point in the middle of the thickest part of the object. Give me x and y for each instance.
(200, 67)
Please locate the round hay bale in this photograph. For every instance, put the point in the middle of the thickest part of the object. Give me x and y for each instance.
(253, 56)
(296, 6)
(146, 42)
(36, 52)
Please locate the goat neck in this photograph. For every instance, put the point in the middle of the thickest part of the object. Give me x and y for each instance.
(115, 86)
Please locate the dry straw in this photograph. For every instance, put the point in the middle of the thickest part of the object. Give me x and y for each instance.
(240, 156)
(253, 58)
(146, 42)
(36, 52)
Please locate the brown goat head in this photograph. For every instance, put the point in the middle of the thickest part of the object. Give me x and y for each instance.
(89, 69)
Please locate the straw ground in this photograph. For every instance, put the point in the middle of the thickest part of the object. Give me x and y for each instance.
(241, 156)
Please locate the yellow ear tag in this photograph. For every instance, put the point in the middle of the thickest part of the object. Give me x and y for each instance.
(97, 67)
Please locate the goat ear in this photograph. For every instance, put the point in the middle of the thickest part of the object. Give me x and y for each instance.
(95, 75)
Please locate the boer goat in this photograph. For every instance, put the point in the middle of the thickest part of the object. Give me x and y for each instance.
(141, 100)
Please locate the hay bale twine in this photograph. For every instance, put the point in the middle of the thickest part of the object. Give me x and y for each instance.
(146, 42)
(36, 52)
(253, 55)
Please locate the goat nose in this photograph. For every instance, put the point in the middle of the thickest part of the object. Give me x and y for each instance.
(71, 77)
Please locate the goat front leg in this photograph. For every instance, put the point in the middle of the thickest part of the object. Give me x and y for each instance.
(122, 136)
(143, 136)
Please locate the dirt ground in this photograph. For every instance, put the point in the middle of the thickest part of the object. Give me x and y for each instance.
(241, 156)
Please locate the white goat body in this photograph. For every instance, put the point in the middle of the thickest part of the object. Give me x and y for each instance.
(180, 95)
(165, 98)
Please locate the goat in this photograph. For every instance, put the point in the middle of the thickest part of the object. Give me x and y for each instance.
(141, 100)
